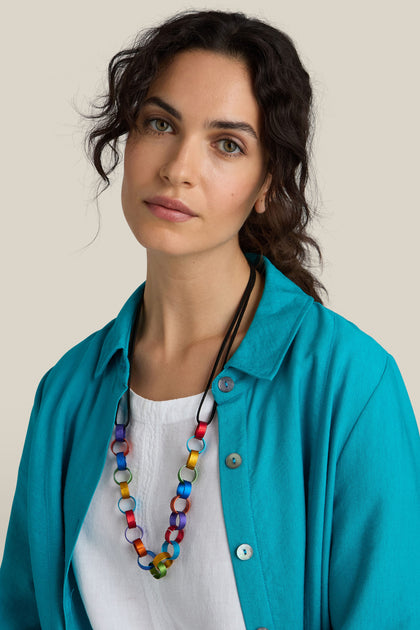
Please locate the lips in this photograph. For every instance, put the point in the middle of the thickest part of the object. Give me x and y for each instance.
(171, 204)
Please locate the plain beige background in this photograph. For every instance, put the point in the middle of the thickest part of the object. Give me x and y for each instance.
(363, 59)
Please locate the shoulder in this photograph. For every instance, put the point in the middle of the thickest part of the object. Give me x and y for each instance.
(342, 339)
(84, 354)
(77, 364)
(347, 366)
(296, 338)
(345, 352)
(85, 362)
(315, 334)
(342, 374)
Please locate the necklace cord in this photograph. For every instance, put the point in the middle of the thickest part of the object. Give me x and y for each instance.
(236, 320)
(229, 337)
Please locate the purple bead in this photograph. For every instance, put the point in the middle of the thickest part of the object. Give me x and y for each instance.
(119, 432)
(182, 519)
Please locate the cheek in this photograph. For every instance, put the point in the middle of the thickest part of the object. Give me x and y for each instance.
(239, 192)
(138, 161)
(132, 164)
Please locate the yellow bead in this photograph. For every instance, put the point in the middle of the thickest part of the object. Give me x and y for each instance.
(125, 490)
(192, 460)
(160, 556)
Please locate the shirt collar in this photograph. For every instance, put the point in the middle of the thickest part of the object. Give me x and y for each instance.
(279, 314)
(118, 335)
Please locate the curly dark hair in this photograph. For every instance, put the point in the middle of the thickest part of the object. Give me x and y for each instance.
(283, 91)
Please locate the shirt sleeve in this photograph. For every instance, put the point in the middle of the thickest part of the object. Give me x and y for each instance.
(374, 572)
(18, 608)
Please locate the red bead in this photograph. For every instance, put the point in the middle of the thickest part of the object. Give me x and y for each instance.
(169, 531)
(200, 430)
(131, 519)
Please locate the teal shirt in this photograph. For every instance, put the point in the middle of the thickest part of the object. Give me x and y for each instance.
(327, 494)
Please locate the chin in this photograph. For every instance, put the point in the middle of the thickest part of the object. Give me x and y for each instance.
(167, 244)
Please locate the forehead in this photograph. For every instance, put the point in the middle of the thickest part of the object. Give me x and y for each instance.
(210, 84)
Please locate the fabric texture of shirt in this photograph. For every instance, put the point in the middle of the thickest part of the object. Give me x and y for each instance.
(327, 495)
(157, 434)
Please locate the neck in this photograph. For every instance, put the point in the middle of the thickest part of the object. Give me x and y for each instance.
(188, 300)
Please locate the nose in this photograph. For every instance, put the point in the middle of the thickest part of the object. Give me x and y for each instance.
(180, 168)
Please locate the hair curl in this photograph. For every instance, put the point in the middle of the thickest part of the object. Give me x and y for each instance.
(283, 91)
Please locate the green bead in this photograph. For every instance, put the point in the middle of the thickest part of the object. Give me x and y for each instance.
(192, 480)
(127, 480)
(159, 571)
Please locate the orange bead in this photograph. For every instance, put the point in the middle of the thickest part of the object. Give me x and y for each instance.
(139, 547)
(186, 508)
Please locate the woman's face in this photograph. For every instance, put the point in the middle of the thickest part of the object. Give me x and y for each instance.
(197, 142)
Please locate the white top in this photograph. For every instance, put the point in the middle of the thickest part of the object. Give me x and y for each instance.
(199, 589)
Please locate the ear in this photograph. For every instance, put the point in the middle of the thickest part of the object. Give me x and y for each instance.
(260, 202)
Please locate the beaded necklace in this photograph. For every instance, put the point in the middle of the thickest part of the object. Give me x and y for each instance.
(122, 475)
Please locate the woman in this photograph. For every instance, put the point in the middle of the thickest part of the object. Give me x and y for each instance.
(306, 510)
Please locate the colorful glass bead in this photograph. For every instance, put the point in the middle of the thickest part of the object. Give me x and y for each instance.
(121, 461)
(175, 546)
(182, 519)
(126, 499)
(146, 567)
(119, 432)
(120, 442)
(186, 508)
(132, 531)
(159, 571)
(139, 547)
(184, 489)
(193, 480)
(169, 531)
(125, 491)
(127, 470)
(192, 460)
(200, 430)
(131, 519)
(194, 438)
(160, 557)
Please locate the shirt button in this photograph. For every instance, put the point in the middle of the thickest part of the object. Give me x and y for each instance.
(244, 552)
(233, 460)
(262, 628)
(225, 384)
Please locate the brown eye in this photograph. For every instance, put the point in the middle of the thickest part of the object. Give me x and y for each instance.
(230, 147)
(160, 125)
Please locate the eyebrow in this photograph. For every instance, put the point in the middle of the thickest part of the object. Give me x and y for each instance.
(212, 124)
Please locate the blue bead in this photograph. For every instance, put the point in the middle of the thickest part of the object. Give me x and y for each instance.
(184, 489)
(175, 547)
(121, 462)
